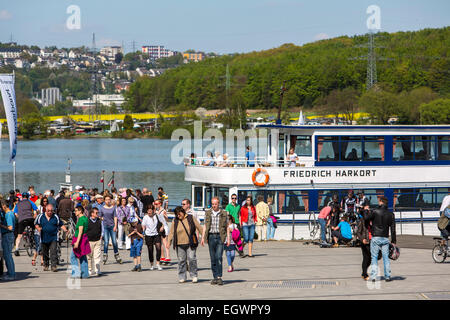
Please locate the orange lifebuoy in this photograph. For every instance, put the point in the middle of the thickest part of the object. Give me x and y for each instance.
(255, 173)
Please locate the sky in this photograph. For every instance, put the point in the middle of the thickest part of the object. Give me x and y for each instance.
(221, 26)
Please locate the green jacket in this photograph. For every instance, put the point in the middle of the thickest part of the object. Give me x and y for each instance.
(222, 224)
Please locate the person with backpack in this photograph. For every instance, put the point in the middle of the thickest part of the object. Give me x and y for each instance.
(182, 236)
(382, 221)
(444, 224)
(364, 234)
(230, 245)
(26, 212)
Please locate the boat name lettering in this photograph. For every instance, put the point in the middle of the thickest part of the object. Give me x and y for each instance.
(329, 173)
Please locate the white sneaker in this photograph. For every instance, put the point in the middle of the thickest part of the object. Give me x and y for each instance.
(159, 268)
(194, 280)
(181, 281)
(152, 268)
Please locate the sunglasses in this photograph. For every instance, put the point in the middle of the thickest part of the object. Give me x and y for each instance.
(233, 198)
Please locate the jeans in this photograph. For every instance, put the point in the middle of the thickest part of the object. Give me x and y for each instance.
(230, 253)
(270, 229)
(323, 230)
(186, 256)
(109, 233)
(49, 253)
(377, 244)
(79, 264)
(215, 253)
(7, 246)
(249, 233)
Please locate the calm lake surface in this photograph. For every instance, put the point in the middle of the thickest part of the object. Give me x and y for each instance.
(137, 163)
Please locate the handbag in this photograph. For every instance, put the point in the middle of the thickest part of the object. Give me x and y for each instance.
(84, 248)
(192, 243)
(159, 225)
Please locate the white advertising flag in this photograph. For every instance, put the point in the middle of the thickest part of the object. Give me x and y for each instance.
(9, 102)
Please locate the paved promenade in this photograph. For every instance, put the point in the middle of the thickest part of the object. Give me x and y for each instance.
(280, 270)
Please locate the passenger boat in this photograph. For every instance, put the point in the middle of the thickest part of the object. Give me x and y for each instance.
(410, 165)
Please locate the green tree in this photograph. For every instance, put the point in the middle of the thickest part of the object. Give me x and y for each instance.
(25, 107)
(31, 124)
(380, 104)
(409, 103)
(128, 123)
(435, 112)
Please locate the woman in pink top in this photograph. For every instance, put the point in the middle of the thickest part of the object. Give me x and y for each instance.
(324, 216)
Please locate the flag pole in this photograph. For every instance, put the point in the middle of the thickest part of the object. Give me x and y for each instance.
(14, 174)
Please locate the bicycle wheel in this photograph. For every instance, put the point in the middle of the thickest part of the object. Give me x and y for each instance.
(439, 253)
(28, 245)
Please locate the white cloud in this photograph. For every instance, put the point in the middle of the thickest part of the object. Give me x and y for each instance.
(321, 36)
(5, 15)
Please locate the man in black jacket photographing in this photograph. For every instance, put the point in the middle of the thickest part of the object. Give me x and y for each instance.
(382, 220)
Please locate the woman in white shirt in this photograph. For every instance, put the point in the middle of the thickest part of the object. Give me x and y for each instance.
(152, 237)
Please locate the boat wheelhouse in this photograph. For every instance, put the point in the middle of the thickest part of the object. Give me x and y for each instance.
(410, 165)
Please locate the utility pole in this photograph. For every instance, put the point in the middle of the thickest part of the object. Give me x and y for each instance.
(228, 86)
(283, 89)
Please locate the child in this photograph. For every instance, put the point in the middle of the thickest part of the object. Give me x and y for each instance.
(136, 236)
(230, 245)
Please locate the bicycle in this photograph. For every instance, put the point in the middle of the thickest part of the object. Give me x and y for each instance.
(440, 250)
(313, 225)
(28, 238)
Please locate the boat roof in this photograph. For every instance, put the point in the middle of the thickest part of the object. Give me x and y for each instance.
(355, 127)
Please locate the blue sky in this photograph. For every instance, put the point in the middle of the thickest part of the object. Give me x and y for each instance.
(223, 26)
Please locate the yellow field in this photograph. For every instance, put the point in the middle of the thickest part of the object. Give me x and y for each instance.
(105, 117)
(147, 116)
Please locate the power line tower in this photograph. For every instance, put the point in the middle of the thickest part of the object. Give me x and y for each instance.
(371, 57)
(228, 86)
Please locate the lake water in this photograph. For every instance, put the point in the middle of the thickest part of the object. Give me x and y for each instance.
(137, 163)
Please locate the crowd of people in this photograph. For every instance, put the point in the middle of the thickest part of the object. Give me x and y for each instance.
(131, 218)
(128, 219)
(370, 226)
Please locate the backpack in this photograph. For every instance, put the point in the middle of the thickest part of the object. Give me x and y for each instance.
(443, 222)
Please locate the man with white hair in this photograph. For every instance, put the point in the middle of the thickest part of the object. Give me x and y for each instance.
(218, 159)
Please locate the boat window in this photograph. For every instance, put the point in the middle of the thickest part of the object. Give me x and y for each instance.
(351, 148)
(302, 145)
(223, 194)
(418, 148)
(326, 196)
(443, 148)
(281, 152)
(208, 197)
(373, 148)
(328, 149)
(198, 197)
(441, 193)
(296, 201)
(415, 199)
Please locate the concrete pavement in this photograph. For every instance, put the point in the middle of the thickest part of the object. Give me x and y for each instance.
(280, 270)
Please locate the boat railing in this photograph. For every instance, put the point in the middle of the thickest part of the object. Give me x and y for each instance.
(240, 162)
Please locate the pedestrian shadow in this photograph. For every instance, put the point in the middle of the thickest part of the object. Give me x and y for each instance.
(23, 276)
(110, 272)
(236, 270)
(398, 278)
